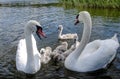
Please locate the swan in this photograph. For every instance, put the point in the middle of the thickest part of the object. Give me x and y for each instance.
(64, 36)
(59, 49)
(76, 43)
(94, 55)
(61, 57)
(45, 54)
(27, 55)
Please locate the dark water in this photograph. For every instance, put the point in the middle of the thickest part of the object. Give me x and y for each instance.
(50, 14)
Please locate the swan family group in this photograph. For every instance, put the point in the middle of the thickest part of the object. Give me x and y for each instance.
(83, 56)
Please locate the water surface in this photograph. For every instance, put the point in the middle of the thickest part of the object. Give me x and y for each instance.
(13, 18)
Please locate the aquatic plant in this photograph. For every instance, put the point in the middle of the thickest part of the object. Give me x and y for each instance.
(94, 3)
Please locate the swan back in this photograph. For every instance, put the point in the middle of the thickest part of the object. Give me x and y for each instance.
(59, 49)
(115, 37)
(97, 54)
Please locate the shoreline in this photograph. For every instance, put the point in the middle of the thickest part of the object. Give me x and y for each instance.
(104, 4)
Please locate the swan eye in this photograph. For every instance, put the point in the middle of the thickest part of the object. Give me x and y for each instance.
(39, 27)
(74, 40)
(58, 28)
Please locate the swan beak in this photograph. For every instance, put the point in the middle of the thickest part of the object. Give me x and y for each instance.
(39, 32)
(58, 28)
(76, 22)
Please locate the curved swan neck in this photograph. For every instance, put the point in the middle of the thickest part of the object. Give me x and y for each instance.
(60, 33)
(29, 46)
(86, 33)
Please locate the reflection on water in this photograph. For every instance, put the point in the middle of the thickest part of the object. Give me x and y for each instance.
(23, 3)
(13, 19)
(27, 1)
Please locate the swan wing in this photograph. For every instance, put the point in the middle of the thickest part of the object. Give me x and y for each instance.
(60, 49)
(91, 47)
(68, 36)
(92, 59)
(21, 55)
(37, 55)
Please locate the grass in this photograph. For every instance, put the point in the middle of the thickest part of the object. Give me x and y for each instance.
(94, 3)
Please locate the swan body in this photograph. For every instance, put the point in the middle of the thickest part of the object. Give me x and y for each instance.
(45, 54)
(76, 43)
(62, 57)
(27, 55)
(94, 55)
(59, 49)
(65, 36)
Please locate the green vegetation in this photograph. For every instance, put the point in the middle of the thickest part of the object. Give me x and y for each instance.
(94, 3)
(24, 4)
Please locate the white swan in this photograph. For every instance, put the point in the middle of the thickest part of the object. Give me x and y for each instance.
(94, 55)
(27, 55)
(45, 54)
(65, 36)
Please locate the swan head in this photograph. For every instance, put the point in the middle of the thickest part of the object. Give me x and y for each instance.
(47, 51)
(64, 43)
(60, 27)
(38, 28)
(75, 38)
(42, 51)
(82, 16)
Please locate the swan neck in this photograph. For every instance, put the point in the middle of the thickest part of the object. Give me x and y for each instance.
(72, 59)
(86, 34)
(29, 47)
(60, 33)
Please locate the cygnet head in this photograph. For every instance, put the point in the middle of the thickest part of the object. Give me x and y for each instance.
(64, 43)
(48, 48)
(75, 38)
(48, 51)
(60, 27)
(42, 51)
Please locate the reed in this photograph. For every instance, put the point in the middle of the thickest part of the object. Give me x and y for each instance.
(93, 3)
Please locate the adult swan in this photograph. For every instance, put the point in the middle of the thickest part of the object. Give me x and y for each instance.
(94, 55)
(28, 57)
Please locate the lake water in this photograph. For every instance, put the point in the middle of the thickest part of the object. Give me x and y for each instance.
(15, 13)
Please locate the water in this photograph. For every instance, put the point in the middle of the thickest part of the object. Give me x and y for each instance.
(50, 14)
